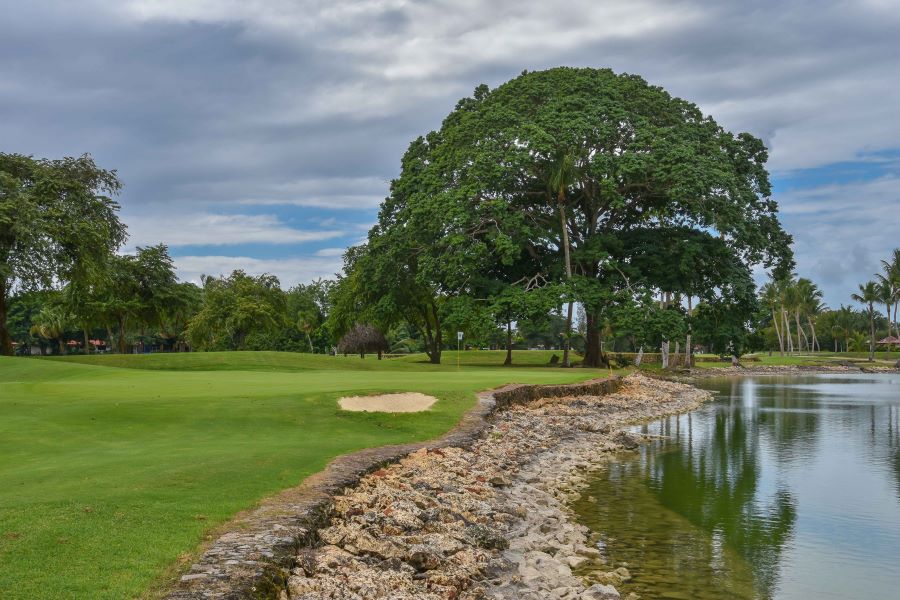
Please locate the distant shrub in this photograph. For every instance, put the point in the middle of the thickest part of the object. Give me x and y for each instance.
(623, 361)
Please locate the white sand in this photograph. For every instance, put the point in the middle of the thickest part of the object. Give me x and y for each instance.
(395, 403)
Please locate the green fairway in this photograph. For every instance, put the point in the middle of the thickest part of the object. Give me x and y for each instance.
(111, 467)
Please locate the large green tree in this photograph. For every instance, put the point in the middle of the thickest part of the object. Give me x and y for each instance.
(58, 222)
(570, 159)
(235, 310)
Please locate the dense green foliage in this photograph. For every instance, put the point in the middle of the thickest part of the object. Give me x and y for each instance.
(560, 190)
(557, 179)
(794, 318)
(58, 222)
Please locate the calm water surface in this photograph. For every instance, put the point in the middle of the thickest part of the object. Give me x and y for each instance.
(783, 489)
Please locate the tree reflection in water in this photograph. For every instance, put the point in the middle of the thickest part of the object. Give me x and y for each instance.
(783, 489)
(689, 515)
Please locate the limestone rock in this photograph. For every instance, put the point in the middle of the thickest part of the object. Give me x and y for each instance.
(599, 591)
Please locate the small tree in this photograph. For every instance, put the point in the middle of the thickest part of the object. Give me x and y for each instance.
(363, 338)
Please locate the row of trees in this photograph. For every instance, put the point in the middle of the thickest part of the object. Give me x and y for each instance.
(884, 290)
(559, 189)
(797, 320)
(138, 305)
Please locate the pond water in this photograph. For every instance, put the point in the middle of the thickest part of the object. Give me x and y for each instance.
(782, 489)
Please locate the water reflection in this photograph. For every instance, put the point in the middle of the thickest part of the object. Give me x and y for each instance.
(783, 488)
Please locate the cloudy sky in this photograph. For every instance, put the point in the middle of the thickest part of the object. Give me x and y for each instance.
(262, 134)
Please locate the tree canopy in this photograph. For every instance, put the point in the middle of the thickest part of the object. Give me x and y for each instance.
(480, 198)
(58, 223)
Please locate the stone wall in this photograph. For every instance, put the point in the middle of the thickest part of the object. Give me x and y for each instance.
(523, 394)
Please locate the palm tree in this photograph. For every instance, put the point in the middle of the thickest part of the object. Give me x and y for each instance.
(563, 173)
(868, 295)
(799, 292)
(50, 323)
(856, 342)
(886, 293)
(891, 276)
(306, 322)
(788, 295)
(811, 306)
(842, 322)
(771, 298)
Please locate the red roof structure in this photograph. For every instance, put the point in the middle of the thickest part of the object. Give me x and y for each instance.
(889, 340)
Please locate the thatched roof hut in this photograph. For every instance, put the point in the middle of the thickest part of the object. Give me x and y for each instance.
(362, 339)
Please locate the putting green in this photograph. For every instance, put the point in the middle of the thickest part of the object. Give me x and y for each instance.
(113, 467)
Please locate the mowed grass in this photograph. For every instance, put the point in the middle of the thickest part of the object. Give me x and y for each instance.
(113, 467)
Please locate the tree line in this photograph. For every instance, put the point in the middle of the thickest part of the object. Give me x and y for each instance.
(795, 319)
(576, 209)
(560, 188)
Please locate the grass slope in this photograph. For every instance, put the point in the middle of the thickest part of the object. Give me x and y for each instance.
(111, 467)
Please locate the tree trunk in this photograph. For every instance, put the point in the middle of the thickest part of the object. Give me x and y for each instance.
(688, 351)
(379, 354)
(890, 346)
(640, 356)
(61, 345)
(778, 332)
(812, 329)
(872, 333)
(896, 324)
(309, 341)
(508, 360)
(593, 356)
(87, 341)
(438, 339)
(122, 321)
(6, 347)
(433, 337)
(664, 349)
(561, 203)
(787, 331)
(799, 330)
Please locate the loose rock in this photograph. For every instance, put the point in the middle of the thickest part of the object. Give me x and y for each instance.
(490, 521)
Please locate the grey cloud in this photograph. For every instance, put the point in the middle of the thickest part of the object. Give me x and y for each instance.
(213, 106)
(290, 270)
(842, 232)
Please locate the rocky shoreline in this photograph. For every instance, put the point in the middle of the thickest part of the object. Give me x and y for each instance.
(487, 520)
(749, 370)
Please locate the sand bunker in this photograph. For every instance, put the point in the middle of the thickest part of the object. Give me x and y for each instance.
(395, 403)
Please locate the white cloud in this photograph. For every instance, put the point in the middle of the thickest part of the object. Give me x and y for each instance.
(331, 252)
(336, 193)
(290, 271)
(841, 232)
(206, 229)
